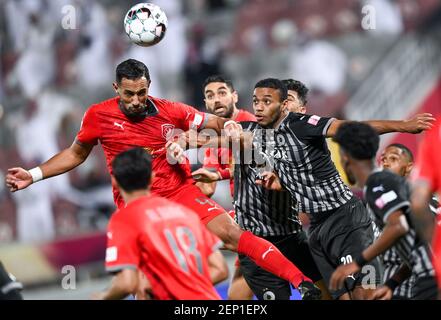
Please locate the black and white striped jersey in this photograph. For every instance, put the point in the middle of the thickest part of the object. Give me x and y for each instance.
(259, 210)
(303, 163)
(385, 193)
(392, 262)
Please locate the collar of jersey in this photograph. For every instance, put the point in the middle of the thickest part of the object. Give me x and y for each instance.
(152, 110)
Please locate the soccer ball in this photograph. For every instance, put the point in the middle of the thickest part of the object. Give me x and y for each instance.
(145, 24)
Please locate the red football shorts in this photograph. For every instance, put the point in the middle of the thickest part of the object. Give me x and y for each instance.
(193, 198)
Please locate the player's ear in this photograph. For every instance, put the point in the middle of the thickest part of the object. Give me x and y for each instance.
(284, 105)
(115, 87)
(409, 168)
(302, 109)
(235, 97)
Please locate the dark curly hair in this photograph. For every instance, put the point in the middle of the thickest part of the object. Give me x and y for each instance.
(358, 139)
(274, 83)
(299, 87)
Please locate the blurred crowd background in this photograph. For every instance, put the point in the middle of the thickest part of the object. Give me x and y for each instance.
(361, 59)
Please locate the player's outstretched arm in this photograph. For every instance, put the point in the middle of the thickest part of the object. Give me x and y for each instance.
(417, 124)
(19, 178)
(395, 228)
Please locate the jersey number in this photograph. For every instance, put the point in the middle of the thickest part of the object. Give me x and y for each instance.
(186, 249)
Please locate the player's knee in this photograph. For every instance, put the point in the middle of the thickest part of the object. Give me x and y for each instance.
(231, 236)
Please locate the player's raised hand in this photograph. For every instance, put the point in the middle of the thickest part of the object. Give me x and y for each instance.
(341, 273)
(18, 179)
(382, 293)
(175, 153)
(206, 176)
(419, 123)
(269, 180)
(233, 129)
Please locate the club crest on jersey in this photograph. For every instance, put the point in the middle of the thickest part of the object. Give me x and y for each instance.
(167, 130)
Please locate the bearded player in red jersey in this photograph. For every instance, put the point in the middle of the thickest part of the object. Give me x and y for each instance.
(135, 119)
(162, 239)
(220, 100)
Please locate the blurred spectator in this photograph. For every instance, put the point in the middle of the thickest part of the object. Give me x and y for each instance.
(321, 65)
(388, 17)
(201, 63)
(35, 67)
(93, 64)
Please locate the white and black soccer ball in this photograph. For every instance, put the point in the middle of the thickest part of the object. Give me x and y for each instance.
(145, 24)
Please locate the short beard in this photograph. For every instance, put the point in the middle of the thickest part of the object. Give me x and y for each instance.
(275, 119)
(134, 117)
(229, 113)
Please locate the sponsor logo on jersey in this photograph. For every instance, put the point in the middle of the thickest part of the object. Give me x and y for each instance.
(111, 254)
(314, 120)
(385, 198)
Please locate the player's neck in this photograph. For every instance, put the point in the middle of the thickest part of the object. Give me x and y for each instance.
(364, 170)
(132, 196)
(235, 113)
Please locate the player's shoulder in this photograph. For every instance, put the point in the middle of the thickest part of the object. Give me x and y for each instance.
(244, 115)
(167, 105)
(105, 105)
(382, 179)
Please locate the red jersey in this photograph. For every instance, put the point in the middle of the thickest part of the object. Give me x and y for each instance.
(106, 123)
(220, 159)
(428, 169)
(168, 243)
(427, 166)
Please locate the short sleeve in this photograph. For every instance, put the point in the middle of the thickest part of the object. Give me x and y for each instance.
(122, 250)
(89, 131)
(425, 168)
(387, 195)
(186, 117)
(309, 127)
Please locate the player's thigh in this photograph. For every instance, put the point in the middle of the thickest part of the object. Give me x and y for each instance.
(239, 288)
(296, 248)
(192, 197)
(265, 285)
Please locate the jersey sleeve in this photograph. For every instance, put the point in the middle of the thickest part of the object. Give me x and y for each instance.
(122, 250)
(425, 168)
(186, 117)
(309, 127)
(89, 132)
(387, 195)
